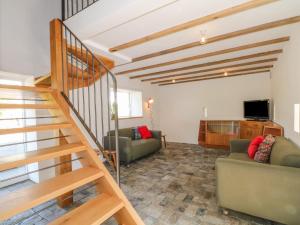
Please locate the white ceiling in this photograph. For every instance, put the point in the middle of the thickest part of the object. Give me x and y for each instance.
(109, 23)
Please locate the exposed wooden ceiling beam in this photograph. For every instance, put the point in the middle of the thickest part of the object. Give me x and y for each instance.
(260, 54)
(196, 22)
(217, 77)
(215, 74)
(222, 37)
(225, 68)
(209, 54)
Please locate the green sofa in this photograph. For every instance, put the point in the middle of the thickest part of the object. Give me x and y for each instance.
(270, 191)
(131, 150)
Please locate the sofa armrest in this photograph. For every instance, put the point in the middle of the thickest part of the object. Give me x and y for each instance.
(125, 146)
(263, 190)
(124, 142)
(156, 134)
(239, 145)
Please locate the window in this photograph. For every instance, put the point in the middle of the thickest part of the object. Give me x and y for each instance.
(130, 103)
(7, 146)
(297, 118)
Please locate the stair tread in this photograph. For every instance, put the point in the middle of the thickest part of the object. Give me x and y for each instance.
(93, 212)
(87, 57)
(35, 128)
(16, 160)
(22, 200)
(75, 71)
(44, 80)
(25, 88)
(28, 106)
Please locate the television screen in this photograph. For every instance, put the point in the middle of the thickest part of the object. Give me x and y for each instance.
(256, 109)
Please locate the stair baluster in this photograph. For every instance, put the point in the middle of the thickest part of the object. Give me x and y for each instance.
(84, 95)
(72, 7)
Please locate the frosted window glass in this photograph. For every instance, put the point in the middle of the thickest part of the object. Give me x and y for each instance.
(136, 103)
(123, 104)
(130, 103)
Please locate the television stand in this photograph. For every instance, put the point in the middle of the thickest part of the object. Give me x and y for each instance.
(258, 120)
(218, 133)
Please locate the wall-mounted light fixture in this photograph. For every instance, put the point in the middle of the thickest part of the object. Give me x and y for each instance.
(150, 102)
(225, 74)
(205, 112)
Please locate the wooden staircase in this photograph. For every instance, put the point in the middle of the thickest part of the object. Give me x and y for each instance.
(74, 72)
(80, 68)
(110, 201)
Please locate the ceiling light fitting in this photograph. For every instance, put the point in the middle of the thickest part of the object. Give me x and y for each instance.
(203, 37)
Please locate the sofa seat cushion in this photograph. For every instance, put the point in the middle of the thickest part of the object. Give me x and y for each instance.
(285, 153)
(144, 147)
(240, 156)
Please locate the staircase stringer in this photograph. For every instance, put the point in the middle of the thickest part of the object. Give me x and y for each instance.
(107, 184)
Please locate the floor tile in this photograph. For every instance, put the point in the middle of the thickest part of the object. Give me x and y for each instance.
(175, 186)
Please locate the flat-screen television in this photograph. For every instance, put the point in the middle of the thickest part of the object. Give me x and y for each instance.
(257, 110)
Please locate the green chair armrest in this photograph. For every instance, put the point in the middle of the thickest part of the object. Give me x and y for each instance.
(249, 166)
(125, 145)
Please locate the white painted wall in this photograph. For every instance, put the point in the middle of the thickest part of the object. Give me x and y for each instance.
(286, 84)
(24, 44)
(24, 35)
(181, 106)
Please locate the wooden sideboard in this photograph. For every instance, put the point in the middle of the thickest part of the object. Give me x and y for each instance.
(218, 133)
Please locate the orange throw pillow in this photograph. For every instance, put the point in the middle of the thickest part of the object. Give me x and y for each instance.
(253, 147)
(144, 131)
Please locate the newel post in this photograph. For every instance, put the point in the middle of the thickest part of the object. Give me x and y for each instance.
(59, 77)
(59, 80)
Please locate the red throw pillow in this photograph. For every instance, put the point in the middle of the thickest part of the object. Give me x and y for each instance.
(144, 131)
(253, 147)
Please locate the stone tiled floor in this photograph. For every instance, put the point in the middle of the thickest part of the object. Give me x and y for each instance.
(175, 186)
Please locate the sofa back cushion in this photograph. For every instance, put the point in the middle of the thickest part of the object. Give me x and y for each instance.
(285, 153)
(124, 132)
(253, 147)
(135, 134)
(145, 132)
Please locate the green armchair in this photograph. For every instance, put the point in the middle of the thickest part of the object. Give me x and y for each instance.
(270, 191)
(131, 150)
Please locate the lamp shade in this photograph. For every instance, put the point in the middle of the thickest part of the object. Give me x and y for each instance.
(150, 100)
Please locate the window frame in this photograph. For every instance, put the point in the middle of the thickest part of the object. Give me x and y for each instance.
(129, 106)
(297, 118)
